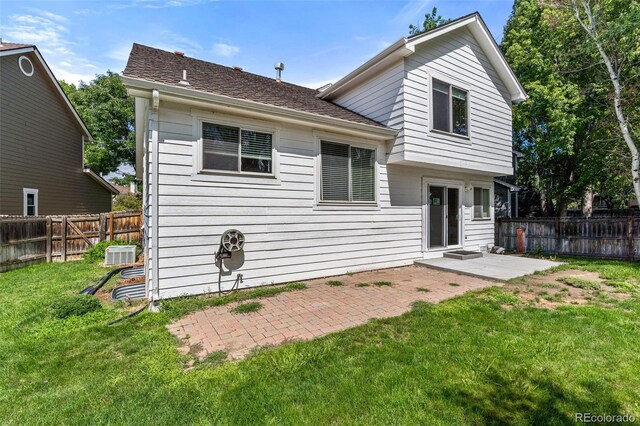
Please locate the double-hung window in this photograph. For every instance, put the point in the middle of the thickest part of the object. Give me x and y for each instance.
(30, 202)
(481, 204)
(236, 149)
(450, 108)
(347, 173)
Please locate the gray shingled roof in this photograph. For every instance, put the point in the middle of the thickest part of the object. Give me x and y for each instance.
(157, 65)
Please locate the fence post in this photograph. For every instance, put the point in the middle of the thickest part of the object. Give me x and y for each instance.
(111, 226)
(102, 227)
(63, 235)
(49, 248)
(630, 238)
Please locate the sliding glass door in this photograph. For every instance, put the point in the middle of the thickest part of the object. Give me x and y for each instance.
(443, 216)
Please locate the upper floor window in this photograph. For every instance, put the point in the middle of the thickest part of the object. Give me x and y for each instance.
(450, 109)
(30, 202)
(347, 173)
(235, 149)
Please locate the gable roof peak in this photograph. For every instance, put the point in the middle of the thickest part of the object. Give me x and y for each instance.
(407, 45)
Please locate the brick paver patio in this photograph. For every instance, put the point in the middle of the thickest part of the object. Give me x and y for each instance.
(318, 310)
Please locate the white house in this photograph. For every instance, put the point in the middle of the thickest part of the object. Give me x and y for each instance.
(393, 163)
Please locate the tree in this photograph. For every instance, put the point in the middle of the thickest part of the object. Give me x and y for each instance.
(108, 113)
(127, 202)
(565, 129)
(613, 29)
(547, 124)
(430, 22)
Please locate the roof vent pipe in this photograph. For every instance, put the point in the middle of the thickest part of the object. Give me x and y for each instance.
(279, 66)
(184, 81)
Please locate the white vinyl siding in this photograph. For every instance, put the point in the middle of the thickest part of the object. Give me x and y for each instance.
(379, 98)
(457, 60)
(289, 237)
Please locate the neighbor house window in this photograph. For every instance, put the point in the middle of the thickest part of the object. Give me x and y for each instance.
(347, 173)
(481, 209)
(450, 109)
(30, 201)
(236, 150)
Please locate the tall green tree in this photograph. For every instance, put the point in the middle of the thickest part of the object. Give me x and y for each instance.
(566, 129)
(547, 124)
(610, 37)
(431, 21)
(108, 112)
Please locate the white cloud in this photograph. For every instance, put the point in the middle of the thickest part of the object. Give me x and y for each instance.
(120, 53)
(48, 31)
(48, 15)
(224, 49)
(410, 11)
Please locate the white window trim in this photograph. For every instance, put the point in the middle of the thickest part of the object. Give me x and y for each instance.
(320, 137)
(26, 191)
(242, 125)
(491, 203)
(460, 138)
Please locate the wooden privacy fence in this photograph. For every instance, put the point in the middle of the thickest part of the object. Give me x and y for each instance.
(605, 237)
(28, 240)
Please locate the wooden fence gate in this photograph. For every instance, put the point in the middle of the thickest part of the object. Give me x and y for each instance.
(29, 240)
(605, 237)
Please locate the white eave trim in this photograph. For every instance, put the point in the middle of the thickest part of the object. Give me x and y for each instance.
(396, 51)
(143, 88)
(405, 46)
(101, 181)
(35, 50)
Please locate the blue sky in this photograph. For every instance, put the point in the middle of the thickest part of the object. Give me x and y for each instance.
(319, 41)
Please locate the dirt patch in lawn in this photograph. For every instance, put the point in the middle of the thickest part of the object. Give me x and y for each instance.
(568, 287)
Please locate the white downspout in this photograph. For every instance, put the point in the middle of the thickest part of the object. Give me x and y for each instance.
(154, 228)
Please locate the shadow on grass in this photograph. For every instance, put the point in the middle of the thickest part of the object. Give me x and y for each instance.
(531, 400)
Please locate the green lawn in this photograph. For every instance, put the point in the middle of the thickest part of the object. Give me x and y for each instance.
(481, 358)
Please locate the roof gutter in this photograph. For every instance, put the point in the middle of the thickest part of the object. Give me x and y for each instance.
(143, 88)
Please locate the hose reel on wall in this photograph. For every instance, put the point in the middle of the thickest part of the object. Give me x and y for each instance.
(231, 241)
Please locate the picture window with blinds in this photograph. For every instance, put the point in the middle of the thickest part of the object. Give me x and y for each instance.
(235, 149)
(347, 173)
(450, 108)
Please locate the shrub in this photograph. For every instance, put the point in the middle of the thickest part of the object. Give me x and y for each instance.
(96, 253)
(383, 283)
(74, 305)
(334, 283)
(127, 202)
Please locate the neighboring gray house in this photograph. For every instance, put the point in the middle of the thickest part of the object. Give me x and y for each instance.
(394, 162)
(506, 192)
(41, 143)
